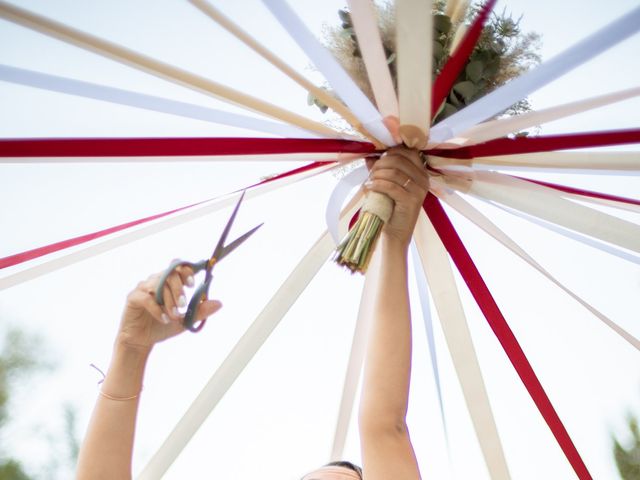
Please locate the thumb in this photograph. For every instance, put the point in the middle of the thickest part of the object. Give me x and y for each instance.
(209, 307)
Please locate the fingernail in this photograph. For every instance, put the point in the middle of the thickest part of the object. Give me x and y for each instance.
(368, 183)
(190, 281)
(164, 318)
(175, 311)
(182, 301)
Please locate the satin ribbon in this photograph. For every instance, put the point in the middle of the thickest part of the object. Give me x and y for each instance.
(414, 45)
(338, 196)
(519, 145)
(549, 205)
(456, 62)
(518, 88)
(155, 67)
(104, 93)
(466, 209)
(427, 320)
(324, 61)
(579, 162)
(365, 24)
(498, 324)
(241, 355)
(447, 301)
(108, 147)
(274, 60)
(164, 222)
(503, 126)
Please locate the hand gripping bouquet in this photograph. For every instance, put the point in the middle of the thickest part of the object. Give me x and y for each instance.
(501, 53)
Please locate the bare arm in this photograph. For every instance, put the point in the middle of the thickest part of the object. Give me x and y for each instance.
(107, 448)
(386, 445)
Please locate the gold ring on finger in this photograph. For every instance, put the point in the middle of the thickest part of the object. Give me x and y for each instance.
(405, 184)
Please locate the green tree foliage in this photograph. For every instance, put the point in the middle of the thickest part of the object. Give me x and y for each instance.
(628, 459)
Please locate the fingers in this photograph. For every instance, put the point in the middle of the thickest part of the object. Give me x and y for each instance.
(144, 297)
(408, 172)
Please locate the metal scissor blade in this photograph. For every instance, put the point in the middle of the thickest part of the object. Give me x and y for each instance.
(237, 242)
(218, 252)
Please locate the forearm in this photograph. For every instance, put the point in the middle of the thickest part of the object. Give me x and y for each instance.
(388, 361)
(107, 449)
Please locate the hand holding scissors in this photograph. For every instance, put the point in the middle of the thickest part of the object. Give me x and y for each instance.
(201, 293)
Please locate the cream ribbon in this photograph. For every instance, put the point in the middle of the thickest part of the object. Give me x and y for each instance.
(356, 357)
(324, 61)
(414, 44)
(520, 87)
(114, 241)
(547, 204)
(148, 102)
(241, 355)
(149, 65)
(365, 24)
(277, 62)
(466, 209)
(501, 127)
(454, 325)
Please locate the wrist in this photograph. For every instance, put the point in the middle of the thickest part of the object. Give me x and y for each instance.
(126, 371)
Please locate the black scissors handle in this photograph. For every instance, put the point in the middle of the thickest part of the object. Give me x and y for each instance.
(199, 295)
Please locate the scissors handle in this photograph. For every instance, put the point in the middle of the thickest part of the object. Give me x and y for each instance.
(200, 293)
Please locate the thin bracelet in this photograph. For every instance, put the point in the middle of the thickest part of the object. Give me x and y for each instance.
(118, 399)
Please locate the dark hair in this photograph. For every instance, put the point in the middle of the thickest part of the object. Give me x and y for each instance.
(345, 464)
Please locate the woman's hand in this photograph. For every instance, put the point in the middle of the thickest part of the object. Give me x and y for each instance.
(400, 174)
(145, 323)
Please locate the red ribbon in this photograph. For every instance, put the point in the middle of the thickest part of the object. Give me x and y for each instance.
(510, 146)
(584, 193)
(138, 147)
(501, 329)
(456, 62)
(72, 242)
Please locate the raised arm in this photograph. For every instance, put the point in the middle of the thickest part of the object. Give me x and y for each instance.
(387, 452)
(107, 448)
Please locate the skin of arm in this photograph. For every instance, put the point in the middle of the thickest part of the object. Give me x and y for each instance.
(107, 448)
(387, 451)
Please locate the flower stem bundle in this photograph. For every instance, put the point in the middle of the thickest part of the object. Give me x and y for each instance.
(355, 251)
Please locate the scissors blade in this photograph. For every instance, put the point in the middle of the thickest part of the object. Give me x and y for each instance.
(237, 242)
(219, 250)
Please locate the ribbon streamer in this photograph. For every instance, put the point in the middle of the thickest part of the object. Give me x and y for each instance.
(155, 227)
(149, 147)
(240, 356)
(414, 45)
(245, 38)
(456, 62)
(574, 161)
(547, 204)
(427, 320)
(356, 357)
(498, 324)
(148, 102)
(365, 24)
(517, 89)
(456, 331)
(503, 126)
(155, 67)
(339, 195)
(466, 209)
(324, 61)
(546, 143)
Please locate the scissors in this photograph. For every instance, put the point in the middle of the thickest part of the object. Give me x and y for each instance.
(202, 292)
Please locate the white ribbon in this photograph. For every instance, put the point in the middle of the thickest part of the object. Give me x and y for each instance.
(240, 356)
(423, 294)
(520, 87)
(463, 207)
(148, 102)
(119, 239)
(580, 162)
(340, 80)
(337, 198)
(548, 204)
(365, 23)
(503, 126)
(456, 331)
